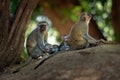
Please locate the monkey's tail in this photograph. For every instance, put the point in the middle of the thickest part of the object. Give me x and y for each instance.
(24, 64)
(44, 59)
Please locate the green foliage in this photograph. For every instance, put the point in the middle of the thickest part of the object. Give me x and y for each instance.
(24, 54)
(84, 4)
(100, 9)
(75, 11)
(36, 12)
(13, 5)
(117, 37)
(53, 36)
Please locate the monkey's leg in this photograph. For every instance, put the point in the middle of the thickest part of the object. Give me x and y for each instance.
(91, 42)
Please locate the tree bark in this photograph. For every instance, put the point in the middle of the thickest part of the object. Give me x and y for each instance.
(11, 44)
(4, 21)
(116, 19)
(94, 31)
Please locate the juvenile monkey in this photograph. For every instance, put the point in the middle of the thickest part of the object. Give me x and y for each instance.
(49, 48)
(36, 43)
(64, 44)
(78, 36)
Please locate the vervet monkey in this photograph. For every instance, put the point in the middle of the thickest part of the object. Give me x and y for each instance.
(36, 40)
(36, 43)
(78, 36)
(64, 44)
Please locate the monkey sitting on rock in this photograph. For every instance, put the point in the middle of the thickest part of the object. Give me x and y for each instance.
(78, 36)
(64, 46)
(36, 43)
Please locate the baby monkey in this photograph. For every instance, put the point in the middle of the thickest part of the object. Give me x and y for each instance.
(64, 46)
(49, 48)
(36, 43)
(78, 36)
(53, 49)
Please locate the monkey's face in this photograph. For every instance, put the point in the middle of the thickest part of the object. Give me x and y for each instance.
(85, 17)
(43, 27)
(65, 38)
(48, 48)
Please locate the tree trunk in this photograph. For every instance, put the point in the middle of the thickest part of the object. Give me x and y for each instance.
(94, 31)
(116, 18)
(11, 43)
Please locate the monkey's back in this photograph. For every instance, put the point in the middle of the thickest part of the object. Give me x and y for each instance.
(31, 41)
(76, 40)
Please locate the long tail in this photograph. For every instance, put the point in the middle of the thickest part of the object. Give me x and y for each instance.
(46, 57)
(24, 64)
(42, 60)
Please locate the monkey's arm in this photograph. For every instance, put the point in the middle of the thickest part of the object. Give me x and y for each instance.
(41, 47)
(91, 42)
(45, 38)
(40, 42)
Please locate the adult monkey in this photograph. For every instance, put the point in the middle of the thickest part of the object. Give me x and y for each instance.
(78, 36)
(36, 41)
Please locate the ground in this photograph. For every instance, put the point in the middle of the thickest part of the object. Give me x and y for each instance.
(96, 63)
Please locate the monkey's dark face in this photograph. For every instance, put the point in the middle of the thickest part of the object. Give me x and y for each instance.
(85, 17)
(43, 27)
(48, 48)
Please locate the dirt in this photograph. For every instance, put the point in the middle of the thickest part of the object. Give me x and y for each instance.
(96, 63)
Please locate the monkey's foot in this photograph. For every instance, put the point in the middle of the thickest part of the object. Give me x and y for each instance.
(92, 44)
